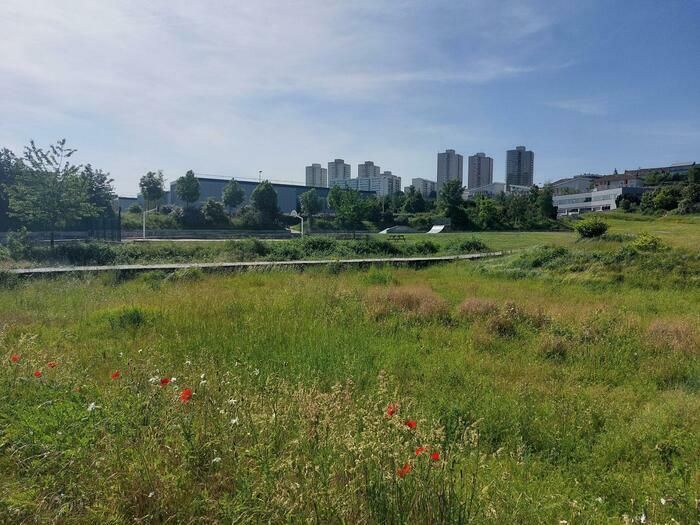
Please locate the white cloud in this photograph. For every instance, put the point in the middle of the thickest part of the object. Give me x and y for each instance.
(584, 106)
(231, 86)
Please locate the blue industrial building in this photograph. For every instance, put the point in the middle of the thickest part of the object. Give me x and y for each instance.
(287, 194)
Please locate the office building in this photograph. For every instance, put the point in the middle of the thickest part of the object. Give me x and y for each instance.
(338, 170)
(602, 200)
(427, 188)
(449, 167)
(520, 166)
(493, 189)
(576, 184)
(287, 194)
(367, 169)
(316, 176)
(480, 170)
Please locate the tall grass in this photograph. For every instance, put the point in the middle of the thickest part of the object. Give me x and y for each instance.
(546, 401)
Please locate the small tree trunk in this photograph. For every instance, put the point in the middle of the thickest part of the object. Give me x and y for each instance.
(52, 240)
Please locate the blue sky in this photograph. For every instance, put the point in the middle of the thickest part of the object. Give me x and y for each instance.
(230, 88)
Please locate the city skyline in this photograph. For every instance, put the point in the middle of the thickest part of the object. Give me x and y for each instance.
(174, 86)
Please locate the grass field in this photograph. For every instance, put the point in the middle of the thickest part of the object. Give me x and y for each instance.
(461, 393)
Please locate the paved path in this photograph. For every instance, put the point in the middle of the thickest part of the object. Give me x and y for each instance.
(56, 270)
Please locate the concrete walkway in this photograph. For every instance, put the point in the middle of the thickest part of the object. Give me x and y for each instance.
(417, 261)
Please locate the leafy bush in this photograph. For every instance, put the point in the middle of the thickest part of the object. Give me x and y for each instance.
(247, 249)
(318, 246)
(380, 275)
(86, 253)
(135, 208)
(469, 246)
(18, 244)
(4, 253)
(540, 257)
(127, 317)
(646, 242)
(372, 246)
(424, 247)
(591, 227)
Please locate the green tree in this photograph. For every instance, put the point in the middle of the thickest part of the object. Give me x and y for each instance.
(99, 189)
(413, 202)
(545, 203)
(48, 190)
(591, 227)
(233, 194)
(9, 164)
(348, 206)
(310, 204)
(151, 185)
(450, 200)
(214, 213)
(264, 202)
(487, 212)
(187, 188)
(694, 174)
(667, 198)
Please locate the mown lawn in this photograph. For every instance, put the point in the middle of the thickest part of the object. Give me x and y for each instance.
(544, 401)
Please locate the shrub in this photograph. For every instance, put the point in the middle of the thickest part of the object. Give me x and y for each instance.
(553, 347)
(470, 246)
(310, 246)
(18, 244)
(4, 253)
(591, 227)
(86, 253)
(135, 208)
(424, 247)
(646, 242)
(127, 317)
(541, 256)
(416, 301)
(247, 249)
(379, 275)
(372, 246)
(474, 308)
(677, 335)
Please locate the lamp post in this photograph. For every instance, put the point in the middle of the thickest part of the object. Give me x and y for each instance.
(296, 215)
(144, 220)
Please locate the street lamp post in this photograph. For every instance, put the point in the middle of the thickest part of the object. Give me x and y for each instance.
(144, 220)
(296, 215)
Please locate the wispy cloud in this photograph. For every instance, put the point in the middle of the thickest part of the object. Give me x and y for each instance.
(194, 81)
(584, 106)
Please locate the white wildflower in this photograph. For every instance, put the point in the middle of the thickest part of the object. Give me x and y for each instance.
(153, 380)
(151, 494)
(256, 372)
(216, 460)
(234, 421)
(93, 406)
(203, 382)
(201, 377)
(663, 501)
(232, 401)
(188, 362)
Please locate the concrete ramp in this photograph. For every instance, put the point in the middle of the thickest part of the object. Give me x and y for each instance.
(438, 228)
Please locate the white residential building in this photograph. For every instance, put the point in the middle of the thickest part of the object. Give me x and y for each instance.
(493, 189)
(601, 200)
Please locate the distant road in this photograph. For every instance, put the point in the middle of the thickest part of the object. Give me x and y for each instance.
(419, 261)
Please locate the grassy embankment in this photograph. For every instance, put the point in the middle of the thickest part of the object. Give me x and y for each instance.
(552, 386)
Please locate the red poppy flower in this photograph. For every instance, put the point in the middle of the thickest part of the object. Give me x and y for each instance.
(419, 450)
(391, 409)
(52, 364)
(37, 373)
(116, 374)
(164, 381)
(411, 424)
(15, 358)
(186, 395)
(403, 470)
(435, 456)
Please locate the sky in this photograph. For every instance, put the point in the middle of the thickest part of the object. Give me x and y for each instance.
(229, 88)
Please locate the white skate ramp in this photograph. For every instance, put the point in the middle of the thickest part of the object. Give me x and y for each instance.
(439, 228)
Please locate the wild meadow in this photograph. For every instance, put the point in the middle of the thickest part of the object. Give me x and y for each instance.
(550, 386)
